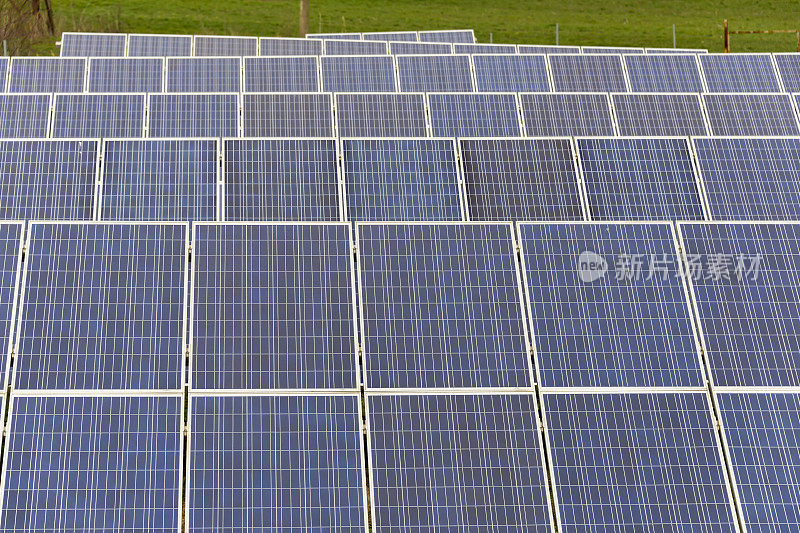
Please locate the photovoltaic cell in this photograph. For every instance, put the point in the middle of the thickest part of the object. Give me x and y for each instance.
(611, 50)
(215, 46)
(637, 462)
(751, 114)
(520, 179)
(405, 36)
(441, 306)
(293, 459)
(566, 114)
(277, 46)
(203, 74)
(48, 179)
(169, 180)
(355, 48)
(193, 115)
(649, 114)
(447, 36)
(547, 49)
(93, 44)
(381, 115)
(84, 116)
(592, 73)
(401, 179)
(675, 51)
(457, 461)
(47, 75)
(744, 279)
(511, 73)
(474, 115)
(435, 73)
(93, 464)
(159, 45)
(3, 72)
(24, 116)
(103, 307)
(287, 115)
(126, 75)
(281, 74)
(272, 307)
(11, 234)
(739, 73)
(460, 48)
(281, 179)
(639, 179)
(420, 48)
(789, 71)
(337, 36)
(664, 73)
(358, 74)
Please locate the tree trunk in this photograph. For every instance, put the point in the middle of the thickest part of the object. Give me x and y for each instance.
(303, 18)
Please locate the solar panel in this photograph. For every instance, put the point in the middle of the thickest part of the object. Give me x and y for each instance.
(281, 74)
(337, 36)
(761, 432)
(193, 115)
(483, 48)
(566, 114)
(289, 46)
(48, 179)
(664, 73)
(593, 73)
(273, 307)
(24, 116)
(447, 36)
(355, 48)
(750, 178)
(281, 179)
(675, 51)
(474, 115)
(98, 115)
(444, 73)
(456, 461)
(151, 45)
(639, 178)
(745, 287)
(665, 114)
(108, 463)
(441, 307)
(126, 75)
(751, 114)
(151, 179)
(11, 243)
(739, 73)
(381, 115)
(511, 73)
(3, 72)
(93, 44)
(608, 306)
(279, 461)
(637, 462)
(788, 66)
(420, 48)
(225, 45)
(203, 74)
(103, 307)
(611, 50)
(47, 75)
(287, 115)
(358, 74)
(404, 36)
(401, 179)
(520, 179)
(547, 49)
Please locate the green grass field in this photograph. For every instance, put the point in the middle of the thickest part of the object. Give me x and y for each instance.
(590, 22)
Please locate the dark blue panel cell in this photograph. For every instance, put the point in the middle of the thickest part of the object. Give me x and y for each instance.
(566, 114)
(287, 115)
(667, 73)
(81, 116)
(547, 49)
(10, 260)
(484, 48)
(592, 73)
(404, 36)
(397, 48)
(193, 115)
(289, 46)
(225, 45)
(3, 71)
(660, 115)
(474, 115)
(150, 45)
(24, 116)
(445, 73)
(739, 73)
(789, 71)
(611, 50)
(126, 75)
(47, 75)
(381, 115)
(204, 74)
(511, 73)
(447, 36)
(93, 44)
(751, 114)
(358, 74)
(337, 36)
(344, 47)
(281, 74)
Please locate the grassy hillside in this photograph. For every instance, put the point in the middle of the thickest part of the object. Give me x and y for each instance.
(596, 22)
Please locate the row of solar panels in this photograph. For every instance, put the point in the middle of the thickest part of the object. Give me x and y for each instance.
(740, 73)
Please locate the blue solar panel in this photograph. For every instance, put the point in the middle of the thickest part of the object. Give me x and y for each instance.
(173, 180)
(273, 307)
(93, 464)
(287, 115)
(355, 48)
(789, 70)
(611, 50)
(474, 115)
(381, 115)
(93, 44)
(648, 114)
(483, 48)
(24, 116)
(404, 36)
(103, 307)
(337, 36)
(358, 74)
(520, 179)
(11, 237)
(289, 46)
(666, 73)
(401, 179)
(281, 179)
(47, 75)
(593, 73)
(193, 115)
(126, 75)
(203, 74)
(3, 72)
(48, 179)
(281, 74)
(750, 178)
(270, 463)
(444, 73)
(744, 279)
(224, 45)
(739, 73)
(420, 48)
(761, 432)
(512, 73)
(675, 51)
(441, 306)
(566, 114)
(639, 179)
(447, 36)
(98, 115)
(626, 323)
(751, 114)
(637, 462)
(547, 49)
(159, 45)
